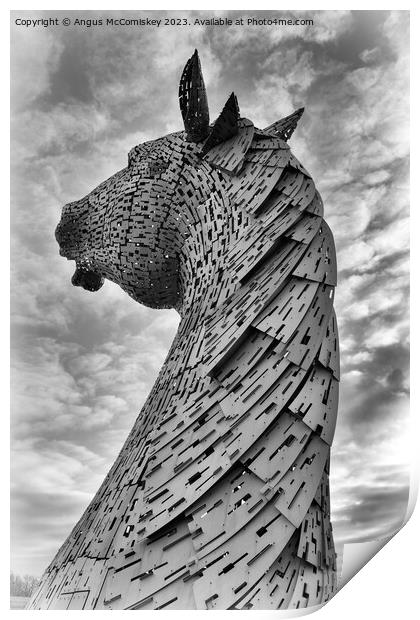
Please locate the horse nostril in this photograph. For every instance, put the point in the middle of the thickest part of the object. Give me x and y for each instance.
(59, 233)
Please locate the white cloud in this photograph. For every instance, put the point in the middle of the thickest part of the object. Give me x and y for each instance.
(370, 55)
(383, 334)
(60, 129)
(355, 256)
(394, 237)
(376, 177)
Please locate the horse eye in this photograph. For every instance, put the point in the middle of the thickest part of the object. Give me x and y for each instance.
(157, 167)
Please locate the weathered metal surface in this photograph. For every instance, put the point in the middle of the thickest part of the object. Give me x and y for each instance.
(219, 497)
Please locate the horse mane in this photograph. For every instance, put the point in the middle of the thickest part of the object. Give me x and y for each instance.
(241, 418)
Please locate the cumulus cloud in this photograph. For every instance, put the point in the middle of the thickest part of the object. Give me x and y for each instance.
(83, 363)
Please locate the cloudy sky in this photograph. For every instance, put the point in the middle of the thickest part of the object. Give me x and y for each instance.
(83, 363)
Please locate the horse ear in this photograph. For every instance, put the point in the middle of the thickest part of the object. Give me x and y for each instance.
(286, 126)
(225, 127)
(193, 101)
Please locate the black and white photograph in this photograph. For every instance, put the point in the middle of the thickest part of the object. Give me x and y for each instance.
(209, 305)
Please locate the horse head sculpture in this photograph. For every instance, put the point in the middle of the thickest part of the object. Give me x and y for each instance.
(219, 498)
(142, 228)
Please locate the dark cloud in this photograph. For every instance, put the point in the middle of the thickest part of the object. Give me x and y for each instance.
(374, 512)
(395, 380)
(71, 78)
(372, 410)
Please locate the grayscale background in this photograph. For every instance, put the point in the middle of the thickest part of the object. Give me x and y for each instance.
(83, 363)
